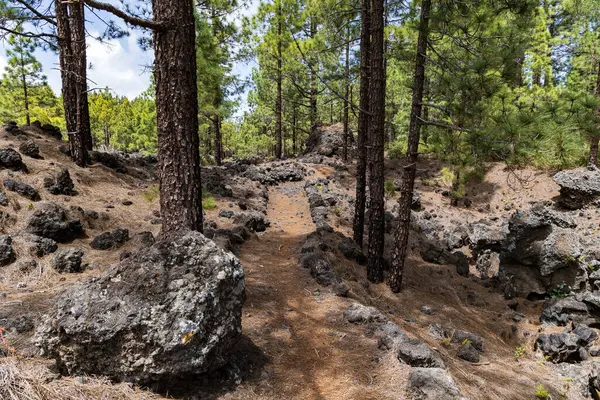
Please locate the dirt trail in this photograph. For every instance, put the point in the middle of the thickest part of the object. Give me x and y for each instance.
(312, 353)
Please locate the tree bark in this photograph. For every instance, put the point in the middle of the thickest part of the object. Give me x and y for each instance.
(594, 139)
(68, 87)
(408, 179)
(363, 125)
(25, 95)
(313, 83)
(84, 131)
(279, 100)
(218, 140)
(294, 118)
(177, 117)
(346, 94)
(376, 142)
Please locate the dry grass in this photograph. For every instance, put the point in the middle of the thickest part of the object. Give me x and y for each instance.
(31, 380)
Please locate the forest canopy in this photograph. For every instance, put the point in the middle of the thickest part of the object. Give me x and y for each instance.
(506, 81)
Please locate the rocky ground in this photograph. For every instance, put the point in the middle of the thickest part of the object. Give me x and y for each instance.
(500, 298)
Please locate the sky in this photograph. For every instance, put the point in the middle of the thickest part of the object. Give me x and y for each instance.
(119, 64)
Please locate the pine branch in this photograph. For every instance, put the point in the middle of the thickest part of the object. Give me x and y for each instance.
(130, 19)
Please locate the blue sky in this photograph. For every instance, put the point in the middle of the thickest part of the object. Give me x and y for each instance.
(119, 64)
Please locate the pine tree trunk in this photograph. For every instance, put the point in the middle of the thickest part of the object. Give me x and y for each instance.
(346, 94)
(408, 179)
(363, 125)
(218, 140)
(25, 95)
(593, 160)
(178, 140)
(313, 83)
(82, 136)
(279, 100)
(294, 117)
(68, 86)
(376, 142)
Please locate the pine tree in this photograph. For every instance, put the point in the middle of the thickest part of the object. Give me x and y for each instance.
(23, 72)
(408, 179)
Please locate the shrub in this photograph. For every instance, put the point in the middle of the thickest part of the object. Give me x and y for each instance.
(208, 202)
(541, 392)
(389, 188)
(151, 193)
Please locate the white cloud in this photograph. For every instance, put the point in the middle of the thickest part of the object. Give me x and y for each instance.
(120, 65)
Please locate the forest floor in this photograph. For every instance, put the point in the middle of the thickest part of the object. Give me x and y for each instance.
(301, 347)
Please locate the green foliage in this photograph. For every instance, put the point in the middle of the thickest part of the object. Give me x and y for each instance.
(151, 193)
(541, 392)
(208, 202)
(389, 188)
(397, 150)
(561, 291)
(123, 124)
(520, 351)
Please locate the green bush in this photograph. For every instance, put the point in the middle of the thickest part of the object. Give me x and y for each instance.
(208, 202)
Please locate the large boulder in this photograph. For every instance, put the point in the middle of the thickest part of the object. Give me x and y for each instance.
(7, 254)
(275, 173)
(25, 190)
(416, 353)
(541, 252)
(51, 221)
(561, 347)
(61, 184)
(167, 312)
(326, 141)
(68, 260)
(30, 149)
(432, 384)
(253, 220)
(565, 310)
(578, 187)
(11, 159)
(110, 240)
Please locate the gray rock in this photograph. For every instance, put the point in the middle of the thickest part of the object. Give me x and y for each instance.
(68, 260)
(42, 246)
(62, 184)
(416, 353)
(110, 240)
(11, 159)
(143, 240)
(488, 264)
(468, 352)
(3, 199)
(587, 334)
(225, 213)
(320, 268)
(463, 336)
(30, 149)
(352, 251)
(389, 335)
(560, 347)
(165, 313)
(563, 311)
(578, 187)
(360, 314)
(7, 254)
(253, 220)
(583, 377)
(25, 190)
(432, 384)
(50, 221)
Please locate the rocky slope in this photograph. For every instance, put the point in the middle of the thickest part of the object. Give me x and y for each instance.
(501, 292)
